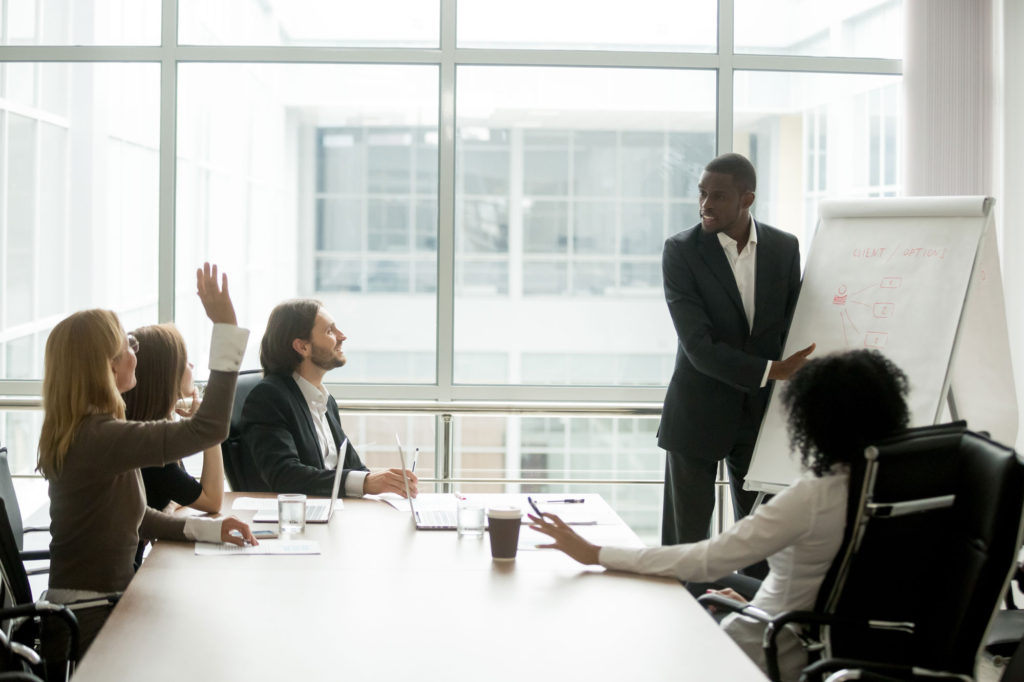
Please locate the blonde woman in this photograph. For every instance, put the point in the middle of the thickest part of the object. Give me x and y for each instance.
(91, 455)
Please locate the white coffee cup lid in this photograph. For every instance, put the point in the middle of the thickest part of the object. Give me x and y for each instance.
(505, 512)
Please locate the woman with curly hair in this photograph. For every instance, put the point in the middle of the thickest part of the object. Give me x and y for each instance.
(837, 406)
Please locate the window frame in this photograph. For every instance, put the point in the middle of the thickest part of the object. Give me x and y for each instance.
(447, 57)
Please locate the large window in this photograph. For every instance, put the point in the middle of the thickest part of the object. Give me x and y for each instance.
(568, 181)
(478, 192)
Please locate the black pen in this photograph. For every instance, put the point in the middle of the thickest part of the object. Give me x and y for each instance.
(535, 507)
(569, 500)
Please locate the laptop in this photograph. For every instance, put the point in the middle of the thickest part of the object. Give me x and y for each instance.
(425, 519)
(318, 510)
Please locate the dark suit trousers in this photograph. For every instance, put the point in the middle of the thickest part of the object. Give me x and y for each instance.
(690, 487)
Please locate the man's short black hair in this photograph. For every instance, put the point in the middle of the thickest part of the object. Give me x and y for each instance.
(738, 166)
(288, 321)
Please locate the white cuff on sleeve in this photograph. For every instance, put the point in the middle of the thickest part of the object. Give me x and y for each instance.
(354, 483)
(618, 558)
(203, 530)
(764, 378)
(227, 346)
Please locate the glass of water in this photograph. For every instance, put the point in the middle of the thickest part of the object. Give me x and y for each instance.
(291, 513)
(470, 517)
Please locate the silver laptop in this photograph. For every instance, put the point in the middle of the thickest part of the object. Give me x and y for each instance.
(319, 510)
(425, 519)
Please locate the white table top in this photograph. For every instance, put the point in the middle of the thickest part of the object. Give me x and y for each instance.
(387, 602)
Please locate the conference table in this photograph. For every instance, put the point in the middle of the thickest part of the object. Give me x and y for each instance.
(384, 601)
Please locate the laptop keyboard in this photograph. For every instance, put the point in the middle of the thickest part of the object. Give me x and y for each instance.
(438, 518)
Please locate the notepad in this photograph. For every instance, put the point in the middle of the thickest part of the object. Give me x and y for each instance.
(265, 547)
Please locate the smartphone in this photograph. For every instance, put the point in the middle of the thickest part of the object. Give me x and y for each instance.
(264, 534)
(536, 509)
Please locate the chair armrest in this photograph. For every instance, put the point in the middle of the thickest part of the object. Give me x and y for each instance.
(771, 632)
(35, 555)
(866, 671)
(45, 609)
(732, 606)
(35, 529)
(26, 653)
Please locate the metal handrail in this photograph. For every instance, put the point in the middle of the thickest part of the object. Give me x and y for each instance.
(590, 409)
(483, 407)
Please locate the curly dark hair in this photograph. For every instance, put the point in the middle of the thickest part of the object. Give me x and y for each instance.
(841, 403)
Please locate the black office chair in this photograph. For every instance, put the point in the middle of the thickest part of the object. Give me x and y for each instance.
(1014, 670)
(932, 534)
(10, 498)
(239, 468)
(1008, 627)
(20, 657)
(21, 617)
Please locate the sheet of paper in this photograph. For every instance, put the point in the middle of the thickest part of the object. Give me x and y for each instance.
(574, 514)
(266, 504)
(277, 546)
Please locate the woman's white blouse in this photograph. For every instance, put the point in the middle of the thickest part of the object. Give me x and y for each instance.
(798, 531)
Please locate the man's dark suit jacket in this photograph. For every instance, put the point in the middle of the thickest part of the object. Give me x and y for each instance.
(719, 360)
(279, 435)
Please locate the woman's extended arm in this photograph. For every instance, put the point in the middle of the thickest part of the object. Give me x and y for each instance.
(212, 480)
(773, 526)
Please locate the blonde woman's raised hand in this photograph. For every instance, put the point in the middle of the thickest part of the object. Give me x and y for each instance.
(214, 295)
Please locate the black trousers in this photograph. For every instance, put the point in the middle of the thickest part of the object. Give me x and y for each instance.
(690, 493)
(689, 499)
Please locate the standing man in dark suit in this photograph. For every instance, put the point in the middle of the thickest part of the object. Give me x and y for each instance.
(731, 285)
(290, 425)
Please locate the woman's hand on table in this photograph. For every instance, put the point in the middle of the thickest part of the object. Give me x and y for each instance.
(236, 532)
(565, 538)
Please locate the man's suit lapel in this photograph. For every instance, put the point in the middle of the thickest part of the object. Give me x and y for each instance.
(312, 437)
(764, 286)
(711, 251)
(335, 423)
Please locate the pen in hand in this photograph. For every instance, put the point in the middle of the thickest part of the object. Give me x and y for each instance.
(536, 509)
(415, 456)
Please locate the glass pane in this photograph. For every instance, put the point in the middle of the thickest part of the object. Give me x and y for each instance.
(591, 448)
(314, 181)
(815, 136)
(870, 28)
(395, 23)
(78, 224)
(19, 433)
(374, 439)
(654, 25)
(80, 22)
(567, 183)
(594, 227)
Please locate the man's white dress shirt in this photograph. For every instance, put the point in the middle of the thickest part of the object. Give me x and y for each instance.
(744, 269)
(316, 401)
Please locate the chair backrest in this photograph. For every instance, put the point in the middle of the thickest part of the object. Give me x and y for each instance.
(10, 498)
(933, 538)
(14, 586)
(239, 468)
